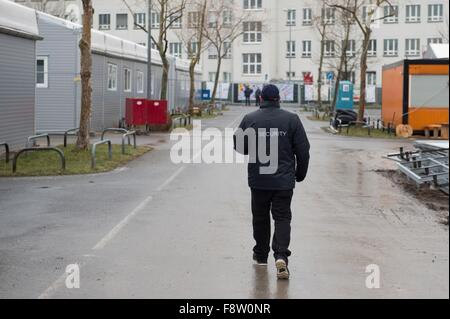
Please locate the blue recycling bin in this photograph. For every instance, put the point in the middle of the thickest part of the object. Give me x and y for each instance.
(345, 96)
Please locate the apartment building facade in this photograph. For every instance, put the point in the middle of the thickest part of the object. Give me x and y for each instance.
(281, 38)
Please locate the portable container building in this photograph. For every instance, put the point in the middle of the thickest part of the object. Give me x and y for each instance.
(18, 35)
(416, 93)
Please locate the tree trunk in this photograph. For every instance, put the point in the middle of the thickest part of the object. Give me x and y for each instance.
(216, 80)
(86, 73)
(165, 78)
(192, 87)
(319, 83)
(362, 94)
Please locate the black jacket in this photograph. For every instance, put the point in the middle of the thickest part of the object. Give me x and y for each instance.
(293, 147)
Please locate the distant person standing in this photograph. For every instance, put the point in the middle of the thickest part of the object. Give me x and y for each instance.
(258, 96)
(248, 93)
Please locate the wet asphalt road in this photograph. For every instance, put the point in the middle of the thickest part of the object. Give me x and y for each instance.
(159, 230)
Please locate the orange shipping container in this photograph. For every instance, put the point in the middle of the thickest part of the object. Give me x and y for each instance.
(416, 93)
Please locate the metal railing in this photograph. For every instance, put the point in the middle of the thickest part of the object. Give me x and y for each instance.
(94, 149)
(182, 119)
(126, 134)
(6, 145)
(40, 149)
(35, 137)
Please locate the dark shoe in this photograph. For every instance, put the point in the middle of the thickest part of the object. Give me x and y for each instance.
(260, 261)
(282, 269)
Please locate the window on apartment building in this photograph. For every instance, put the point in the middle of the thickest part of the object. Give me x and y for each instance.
(291, 50)
(212, 76)
(352, 77)
(435, 12)
(176, 22)
(104, 21)
(42, 72)
(227, 77)
(212, 53)
(213, 20)
(306, 49)
(227, 50)
(252, 63)
(192, 51)
(193, 18)
(391, 14)
(175, 49)
(290, 75)
(252, 32)
(291, 17)
(329, 15)
(122, 21)
(140, 20)
(140, 82)
(112, 77)
(412, 47)
(155, 20)
(330, 49)
(390, 47)
(227, 17)
(366, 10)
(435, 41)
(252, 4)
(372, 48)
(307, 16)
(351, 48)
(413, 13)
(127, 80)
(372, 78)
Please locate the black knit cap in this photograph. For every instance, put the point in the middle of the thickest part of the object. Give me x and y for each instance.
(270, 93)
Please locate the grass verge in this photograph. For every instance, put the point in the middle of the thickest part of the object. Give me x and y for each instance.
(363, 132)
(48, 163)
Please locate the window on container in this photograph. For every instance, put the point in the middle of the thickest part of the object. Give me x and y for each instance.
(252, 4)
(435, 41)
(306, 49)
(391, 14)
(412, 47)
(140, 20)
(307, 16)
(122, 21)
(140, 82)
(112, 77)
(413, 13)
(127, 80)
(42, 72)
(291, 17)
(435, 12)
(252, 32)
(104, 21)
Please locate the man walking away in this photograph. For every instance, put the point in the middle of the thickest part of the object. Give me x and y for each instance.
(248, 93)
(273, 192)
(258, 96)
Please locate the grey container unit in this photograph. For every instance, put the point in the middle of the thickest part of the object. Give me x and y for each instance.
(18, 35)
(58, 105)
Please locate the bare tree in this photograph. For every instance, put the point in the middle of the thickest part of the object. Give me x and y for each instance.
(444, 32)
(86, 73)
(225, 25)
(168, 12)
(365, 23)
(193, 37)
(57, 8)
(322, 28)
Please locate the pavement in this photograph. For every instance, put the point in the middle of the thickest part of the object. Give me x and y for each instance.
(158, 230)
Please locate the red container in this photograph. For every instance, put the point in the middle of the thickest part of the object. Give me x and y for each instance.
(136, 112)
(157, 112)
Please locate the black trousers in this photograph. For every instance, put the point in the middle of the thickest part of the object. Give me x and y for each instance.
(279, 203)
(248, 102)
